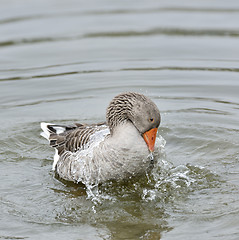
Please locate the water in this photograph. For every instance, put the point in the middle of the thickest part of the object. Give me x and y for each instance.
(63, 61)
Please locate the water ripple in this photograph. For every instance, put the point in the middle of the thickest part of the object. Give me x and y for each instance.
(171, 68)
(118, 11)
(168, 31)
(115, 34)
(214, 69)
(49, 75)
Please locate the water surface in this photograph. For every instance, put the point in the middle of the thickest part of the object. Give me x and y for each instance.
(63, 61)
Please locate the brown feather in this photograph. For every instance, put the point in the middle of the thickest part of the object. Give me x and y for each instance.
(74, 138)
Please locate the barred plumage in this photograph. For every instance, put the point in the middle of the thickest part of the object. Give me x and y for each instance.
(112, 150)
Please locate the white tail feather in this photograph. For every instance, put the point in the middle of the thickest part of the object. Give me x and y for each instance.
(59, 129)
(45, 133)
(56, 158)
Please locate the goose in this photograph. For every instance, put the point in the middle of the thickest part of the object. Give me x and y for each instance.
(115, 150)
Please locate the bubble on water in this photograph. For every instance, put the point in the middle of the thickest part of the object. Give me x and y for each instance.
(151, 157)
(93, 209)
(149, 194)
(148, 177)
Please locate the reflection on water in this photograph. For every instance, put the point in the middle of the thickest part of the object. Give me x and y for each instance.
(64, 62)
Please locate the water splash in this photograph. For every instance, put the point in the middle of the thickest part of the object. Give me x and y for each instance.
(93, 193)
(151, 157)
(163, 182)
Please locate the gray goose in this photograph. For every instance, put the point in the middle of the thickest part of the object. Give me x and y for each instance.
(115, 150)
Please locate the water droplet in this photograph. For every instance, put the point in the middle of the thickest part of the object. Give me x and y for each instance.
(93, 208)
(151, 157)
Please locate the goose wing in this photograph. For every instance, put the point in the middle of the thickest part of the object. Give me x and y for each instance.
(70, 138)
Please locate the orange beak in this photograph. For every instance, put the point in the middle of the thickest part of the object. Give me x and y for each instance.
(150, 137)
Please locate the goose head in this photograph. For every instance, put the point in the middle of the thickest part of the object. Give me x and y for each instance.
(141, 111)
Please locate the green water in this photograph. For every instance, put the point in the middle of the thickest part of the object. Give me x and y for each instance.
(63, 61)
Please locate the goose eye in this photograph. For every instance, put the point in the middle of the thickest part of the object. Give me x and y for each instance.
(151, 120)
